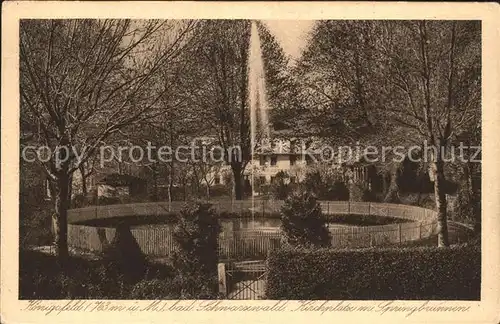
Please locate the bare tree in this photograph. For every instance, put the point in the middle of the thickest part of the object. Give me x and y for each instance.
(83, 80)
(221, 75)
(393, 83)
(433, 76)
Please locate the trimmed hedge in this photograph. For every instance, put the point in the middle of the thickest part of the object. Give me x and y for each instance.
(425, 273)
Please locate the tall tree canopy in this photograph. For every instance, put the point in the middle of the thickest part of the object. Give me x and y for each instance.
(393, 83)
(219, 85)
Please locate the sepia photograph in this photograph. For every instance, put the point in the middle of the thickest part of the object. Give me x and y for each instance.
(210, 160)
(206, 159)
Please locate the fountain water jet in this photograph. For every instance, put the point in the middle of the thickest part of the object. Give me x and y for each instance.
(259, 120)
(257, 89)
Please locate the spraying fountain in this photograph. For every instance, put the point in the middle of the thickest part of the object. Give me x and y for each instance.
(259, 119)
(257, 89)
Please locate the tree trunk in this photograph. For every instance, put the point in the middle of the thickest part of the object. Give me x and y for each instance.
(154, 168)
(384, 183)
(84, 180)
(184, 186)
(468, 177)
(440, 197)
(238, 182)
(155, 182)
(475, 190)
(208, 190)
(169, 194)
(170, 186)
(392, 195)
(84, 186)
(70, 191)
(60, 217)
(197, 188)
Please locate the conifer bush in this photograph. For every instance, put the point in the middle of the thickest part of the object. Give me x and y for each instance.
(195, 259)
(303, 222)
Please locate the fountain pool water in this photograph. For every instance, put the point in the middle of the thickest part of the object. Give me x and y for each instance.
(239, 224)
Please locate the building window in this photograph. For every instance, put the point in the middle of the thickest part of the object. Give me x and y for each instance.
(274, 160)
(217, 179)
(293, 159)
(262, 160)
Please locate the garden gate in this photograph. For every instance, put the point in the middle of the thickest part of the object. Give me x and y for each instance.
(243, 280)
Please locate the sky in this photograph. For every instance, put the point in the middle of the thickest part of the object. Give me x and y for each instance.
(292, 34)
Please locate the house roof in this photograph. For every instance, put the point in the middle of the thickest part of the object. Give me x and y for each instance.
(305, 146)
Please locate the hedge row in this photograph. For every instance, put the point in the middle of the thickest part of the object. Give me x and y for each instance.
(428, 273)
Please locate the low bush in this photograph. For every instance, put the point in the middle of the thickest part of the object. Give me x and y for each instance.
(248, 214)
(466, 209)
(155, 289)
(425, 200)
(425, 273)
(326, 184)
(101, 201)
(358, 192)
(220, 190)
(338, 191)
(79, 201)
(35, 223)
(264, 189)
(280, 188)
(41, 277)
